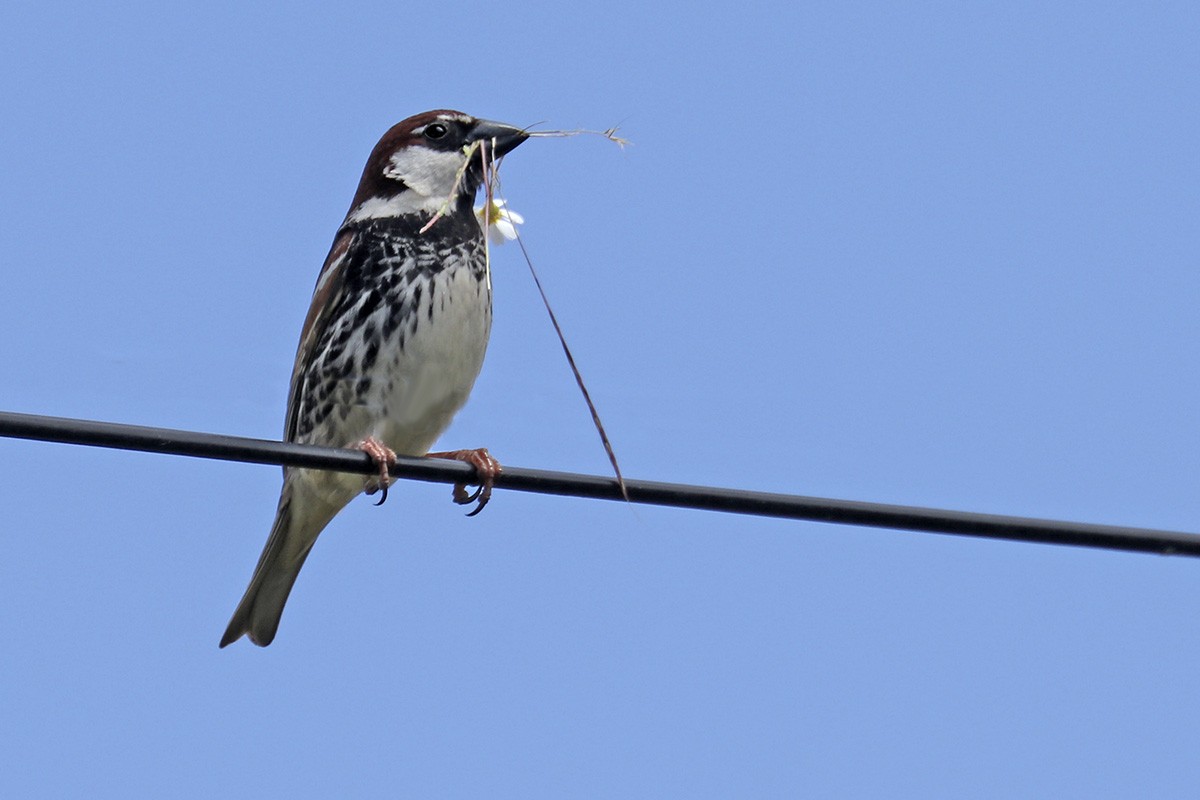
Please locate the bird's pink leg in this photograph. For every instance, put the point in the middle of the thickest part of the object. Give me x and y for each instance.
(384, 457)
(486, 467)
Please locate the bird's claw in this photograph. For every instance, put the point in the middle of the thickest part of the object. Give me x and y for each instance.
(482, 494)
(384, 457)
(486, 469)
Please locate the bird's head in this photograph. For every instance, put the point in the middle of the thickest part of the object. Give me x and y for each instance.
(422, 162)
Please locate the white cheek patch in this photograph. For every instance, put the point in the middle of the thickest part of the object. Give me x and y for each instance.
(432, 173)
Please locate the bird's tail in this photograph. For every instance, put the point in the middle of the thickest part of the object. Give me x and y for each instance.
(292, 537)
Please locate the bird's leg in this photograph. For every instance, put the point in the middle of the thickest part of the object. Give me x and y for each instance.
(486, 468)
(384, 457)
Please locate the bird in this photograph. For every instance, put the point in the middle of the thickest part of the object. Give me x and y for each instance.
(393, 340)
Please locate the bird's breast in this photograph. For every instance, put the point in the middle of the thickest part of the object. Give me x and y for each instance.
(402, 353)
(427, 368)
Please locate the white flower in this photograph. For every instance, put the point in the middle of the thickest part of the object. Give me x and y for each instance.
(500, 223)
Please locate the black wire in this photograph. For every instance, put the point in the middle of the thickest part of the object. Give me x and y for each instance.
(848, 512)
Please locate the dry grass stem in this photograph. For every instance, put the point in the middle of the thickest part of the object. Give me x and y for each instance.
(610, 134)
(441, 212)
(562, 340)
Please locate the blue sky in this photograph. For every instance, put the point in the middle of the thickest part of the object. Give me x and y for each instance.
(935, 254)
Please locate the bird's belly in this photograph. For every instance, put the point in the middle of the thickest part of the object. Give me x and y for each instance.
(424, 373)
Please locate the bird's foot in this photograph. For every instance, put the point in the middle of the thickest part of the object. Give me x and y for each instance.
(486, 470)
(384, 457)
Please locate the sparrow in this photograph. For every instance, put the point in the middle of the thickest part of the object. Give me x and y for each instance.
(393, 340)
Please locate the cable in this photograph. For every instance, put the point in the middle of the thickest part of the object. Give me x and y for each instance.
(737, 501)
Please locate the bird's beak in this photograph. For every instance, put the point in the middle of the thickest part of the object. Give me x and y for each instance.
(499, 137)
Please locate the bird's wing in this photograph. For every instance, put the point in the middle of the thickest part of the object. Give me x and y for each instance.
(329, 285)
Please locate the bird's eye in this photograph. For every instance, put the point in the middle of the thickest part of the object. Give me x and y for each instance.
(435, 130)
